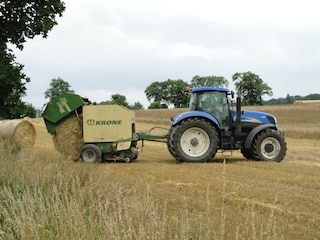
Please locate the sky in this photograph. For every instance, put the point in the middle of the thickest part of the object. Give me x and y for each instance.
(106, 47)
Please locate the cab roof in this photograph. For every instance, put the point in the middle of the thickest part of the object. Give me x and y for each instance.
(207, 89)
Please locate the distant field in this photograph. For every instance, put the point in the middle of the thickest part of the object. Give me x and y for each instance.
(297, 121)
(43, 196)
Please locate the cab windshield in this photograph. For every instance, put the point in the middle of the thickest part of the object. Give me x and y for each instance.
(212, 102)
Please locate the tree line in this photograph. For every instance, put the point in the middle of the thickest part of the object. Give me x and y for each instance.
(249, 85)
(291, 99)
(171, 92)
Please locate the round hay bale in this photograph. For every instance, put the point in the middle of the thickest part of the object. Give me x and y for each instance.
(68, 139)
(19, 132)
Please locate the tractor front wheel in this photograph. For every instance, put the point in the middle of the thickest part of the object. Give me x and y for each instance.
(90, 153)
(193, 140)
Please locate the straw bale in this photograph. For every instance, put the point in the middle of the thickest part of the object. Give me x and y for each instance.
(68, 139)
(19, 131)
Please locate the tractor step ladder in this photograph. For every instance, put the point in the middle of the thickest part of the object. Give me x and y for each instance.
(226, 143)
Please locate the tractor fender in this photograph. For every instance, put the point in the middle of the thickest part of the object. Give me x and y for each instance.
(254, 132)
(178, 118)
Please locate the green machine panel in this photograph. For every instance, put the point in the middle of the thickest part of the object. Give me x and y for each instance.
(60, 108)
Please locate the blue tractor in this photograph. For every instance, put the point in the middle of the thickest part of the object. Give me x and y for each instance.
(211, 125)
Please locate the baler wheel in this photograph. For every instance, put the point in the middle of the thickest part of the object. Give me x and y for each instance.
(90, 153)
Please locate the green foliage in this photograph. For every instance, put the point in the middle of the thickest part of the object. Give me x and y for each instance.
(30, 111)
(20, 20)
(314, 96)
(278, 101)
(119, 100)
(169, 92)
(155, 91)
(26, 19)
(176, 94)
(213, 81)
(57, 87)
(12, 87)
(291, 99)
(157, 105)
(136, 106)
(251, 88)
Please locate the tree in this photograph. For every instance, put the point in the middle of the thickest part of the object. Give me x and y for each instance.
(136, 106)
(155, 91)
(157, 105)
(12, 87)
(168, 92)
(57, 87)
(20, 20)
(30, 111)
(119, 100)
(289, 99)
(25, 19)
(213, 81)
(312, 96)
(175, 93)
(251, 88)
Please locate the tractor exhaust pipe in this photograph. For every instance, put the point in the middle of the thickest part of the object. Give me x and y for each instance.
(238, 116)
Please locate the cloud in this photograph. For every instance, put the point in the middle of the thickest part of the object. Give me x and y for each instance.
(108, 47)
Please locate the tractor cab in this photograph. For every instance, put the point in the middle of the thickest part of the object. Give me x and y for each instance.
(213, 101)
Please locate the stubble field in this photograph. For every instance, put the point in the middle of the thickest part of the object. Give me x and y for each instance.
(44, 196)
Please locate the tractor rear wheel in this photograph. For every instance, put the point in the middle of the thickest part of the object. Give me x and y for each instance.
(90, 153)
(193, 140)
(270, 146)
(248, 154)
(169, 136)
